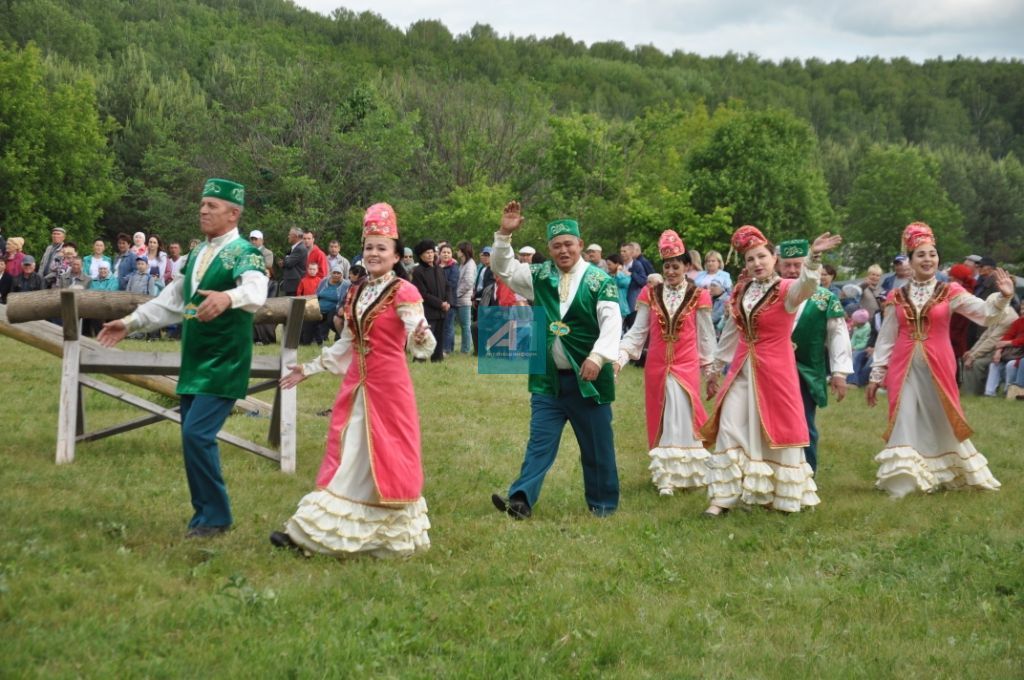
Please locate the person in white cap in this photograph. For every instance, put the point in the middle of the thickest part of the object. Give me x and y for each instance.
(526, 254)
(593, 255)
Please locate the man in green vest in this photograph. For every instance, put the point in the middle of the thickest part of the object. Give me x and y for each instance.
(223, 283)
(581, 307)
(821, 341)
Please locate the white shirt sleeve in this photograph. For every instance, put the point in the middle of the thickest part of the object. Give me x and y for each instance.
(983, 312)
(609, 319)
(412, 317)
(513, 273)
(884, 345)
(727, 343)
(707, 343)
(840, 351)
(803, 289)
(632, 344)
(165, 309)
(251, 293)
(335, 359)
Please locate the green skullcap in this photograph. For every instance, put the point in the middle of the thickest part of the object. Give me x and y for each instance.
(224, 189)
(562, 227)
(798, 247)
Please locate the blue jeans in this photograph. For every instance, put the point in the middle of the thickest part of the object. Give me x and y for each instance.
(810, 410)
(449, 331)
(465, 313)
(861, 368)
(592, 424)
(202, 416)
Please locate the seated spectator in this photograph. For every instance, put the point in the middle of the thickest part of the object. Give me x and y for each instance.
(141, 281)
(29, 279)
(75, 276)
(330, 294)
(1006, 358)
(713, 272)
(871, 290)
(960, 325)
(977, 359)
(851, 296)
(104, 280)
(900, 275)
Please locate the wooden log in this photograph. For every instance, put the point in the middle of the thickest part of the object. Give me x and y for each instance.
(106, 305)
(49, 338)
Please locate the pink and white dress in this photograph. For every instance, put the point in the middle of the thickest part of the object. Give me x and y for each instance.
(758, 428)
(682, 343)
(927, 440)
(369, 487)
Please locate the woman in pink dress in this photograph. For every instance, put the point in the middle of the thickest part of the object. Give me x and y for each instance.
(758, 429)
(927, 441)
(676, 314)
(368, 497)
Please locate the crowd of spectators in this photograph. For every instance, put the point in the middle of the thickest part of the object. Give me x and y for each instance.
(454, 282)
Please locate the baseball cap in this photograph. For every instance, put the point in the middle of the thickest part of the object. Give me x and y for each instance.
(28, 259)
(255, 233)
(486, 250)
(527, 250)
(976, 259)
(986, 262)
(593, 246)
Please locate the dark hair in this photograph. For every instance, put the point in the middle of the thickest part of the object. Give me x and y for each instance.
(159, 243)
(537, 258)
(830, 269)
(357, 269)
(466, 248)
(70, 244)
(398, 268)
(684, 258)
(121, 236)
(614, 257)
(423, 246)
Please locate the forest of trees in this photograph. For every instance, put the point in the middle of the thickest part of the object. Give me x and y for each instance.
(112, 112)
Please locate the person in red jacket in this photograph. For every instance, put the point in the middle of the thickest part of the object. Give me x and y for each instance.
(315, 254)
(309, 282)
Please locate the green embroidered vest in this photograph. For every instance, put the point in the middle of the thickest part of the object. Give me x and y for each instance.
(578, 330)
(809, 342)
(216, 356)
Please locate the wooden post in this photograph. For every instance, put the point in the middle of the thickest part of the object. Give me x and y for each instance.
(285, 401)
(69, 390)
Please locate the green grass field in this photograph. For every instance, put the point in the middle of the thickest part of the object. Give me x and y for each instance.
(96, 579)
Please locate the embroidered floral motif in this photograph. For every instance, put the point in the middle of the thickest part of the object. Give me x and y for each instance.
(821, 298)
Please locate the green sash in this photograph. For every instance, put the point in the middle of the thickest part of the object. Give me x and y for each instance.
(578, 329)
(216, 356)
(809, 342)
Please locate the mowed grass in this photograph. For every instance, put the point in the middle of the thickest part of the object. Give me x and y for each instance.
(96, 579)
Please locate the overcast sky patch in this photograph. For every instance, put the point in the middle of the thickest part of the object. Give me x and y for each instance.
(803, 29)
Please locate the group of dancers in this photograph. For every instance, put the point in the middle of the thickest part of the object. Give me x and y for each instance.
(750, 451)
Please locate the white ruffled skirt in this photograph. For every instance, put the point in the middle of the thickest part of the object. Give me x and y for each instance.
(745, 469)
(346, 517)
(922, 453)
(680, 459)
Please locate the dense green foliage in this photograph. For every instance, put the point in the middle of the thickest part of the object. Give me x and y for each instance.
(319, 116)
